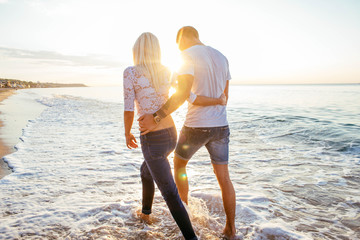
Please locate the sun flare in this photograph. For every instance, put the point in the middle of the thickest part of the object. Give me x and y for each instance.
(172, 60)
(172, 90)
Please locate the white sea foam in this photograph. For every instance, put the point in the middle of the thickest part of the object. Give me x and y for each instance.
(74, 178)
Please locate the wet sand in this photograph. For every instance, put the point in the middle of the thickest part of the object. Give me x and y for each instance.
(4, 149)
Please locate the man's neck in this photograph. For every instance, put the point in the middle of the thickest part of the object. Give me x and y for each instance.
(194, 43)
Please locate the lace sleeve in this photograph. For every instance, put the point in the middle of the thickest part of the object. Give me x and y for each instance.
(129, 92)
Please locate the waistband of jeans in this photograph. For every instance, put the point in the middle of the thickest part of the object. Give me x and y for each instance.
(206, 128)
(160, 132)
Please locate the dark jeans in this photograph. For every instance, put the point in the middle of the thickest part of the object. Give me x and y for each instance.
(156, 147)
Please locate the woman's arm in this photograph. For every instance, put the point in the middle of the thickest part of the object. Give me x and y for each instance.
(129, 98)
(128, 121)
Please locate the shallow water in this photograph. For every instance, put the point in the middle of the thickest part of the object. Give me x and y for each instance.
(294, 162)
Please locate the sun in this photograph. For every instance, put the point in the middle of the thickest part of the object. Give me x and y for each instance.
(172, 60)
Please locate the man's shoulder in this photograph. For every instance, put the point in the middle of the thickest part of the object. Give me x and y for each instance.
(207, 49)
(214, 50)
(202, 52)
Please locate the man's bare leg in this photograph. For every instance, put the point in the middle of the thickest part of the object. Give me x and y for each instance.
(228, 197)
(181, 179)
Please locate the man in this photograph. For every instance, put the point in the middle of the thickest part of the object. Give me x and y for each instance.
(205, 72)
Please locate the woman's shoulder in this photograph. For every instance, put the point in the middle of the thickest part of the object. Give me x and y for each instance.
(131, 72)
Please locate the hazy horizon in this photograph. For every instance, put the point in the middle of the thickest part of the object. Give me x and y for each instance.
(90, 42)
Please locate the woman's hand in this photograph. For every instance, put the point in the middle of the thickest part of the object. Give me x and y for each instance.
(131, 141)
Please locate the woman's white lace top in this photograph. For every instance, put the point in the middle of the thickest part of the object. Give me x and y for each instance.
(139, 90)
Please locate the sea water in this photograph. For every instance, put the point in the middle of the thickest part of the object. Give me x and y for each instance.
(294, 163)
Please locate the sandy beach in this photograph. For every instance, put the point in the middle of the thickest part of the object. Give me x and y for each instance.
(15, 113)
(4, 149)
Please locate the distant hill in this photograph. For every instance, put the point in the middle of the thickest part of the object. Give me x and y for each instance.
(58, 85)
(18, 84)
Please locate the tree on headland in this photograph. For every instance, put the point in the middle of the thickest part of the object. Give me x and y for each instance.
(18, 84)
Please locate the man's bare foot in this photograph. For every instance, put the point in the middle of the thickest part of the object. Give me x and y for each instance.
(230, 234)
(235, 237)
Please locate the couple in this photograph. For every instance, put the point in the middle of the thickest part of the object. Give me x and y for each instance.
(203, 80)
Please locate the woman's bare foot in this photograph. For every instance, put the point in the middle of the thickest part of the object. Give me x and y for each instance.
(144, 217)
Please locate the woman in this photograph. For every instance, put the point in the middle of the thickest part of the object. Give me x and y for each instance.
(147, 84)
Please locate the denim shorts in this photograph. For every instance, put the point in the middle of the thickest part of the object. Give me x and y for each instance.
(215, 139)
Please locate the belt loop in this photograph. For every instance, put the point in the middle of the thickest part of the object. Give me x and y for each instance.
(169, 132)
(143, 136)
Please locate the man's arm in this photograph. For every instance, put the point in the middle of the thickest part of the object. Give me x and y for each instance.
(147, 123)
(226, 91)
(207, 101)
(179, 97)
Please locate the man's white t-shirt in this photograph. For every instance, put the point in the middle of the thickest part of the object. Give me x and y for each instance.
(210, 69)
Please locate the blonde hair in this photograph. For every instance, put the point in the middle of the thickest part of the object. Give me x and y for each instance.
(147, 60)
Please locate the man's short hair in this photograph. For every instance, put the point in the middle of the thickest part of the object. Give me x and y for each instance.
(187, 31)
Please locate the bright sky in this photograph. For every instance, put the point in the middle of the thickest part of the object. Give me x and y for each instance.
(90, 41)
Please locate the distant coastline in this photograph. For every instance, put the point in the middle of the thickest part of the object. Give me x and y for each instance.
(20, 84)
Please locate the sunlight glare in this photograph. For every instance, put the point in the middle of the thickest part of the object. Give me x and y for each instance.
(172, 90)
(172, 60)
(183, 176)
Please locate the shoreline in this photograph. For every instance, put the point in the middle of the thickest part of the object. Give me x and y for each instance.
(17, 107)
(4, 148)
